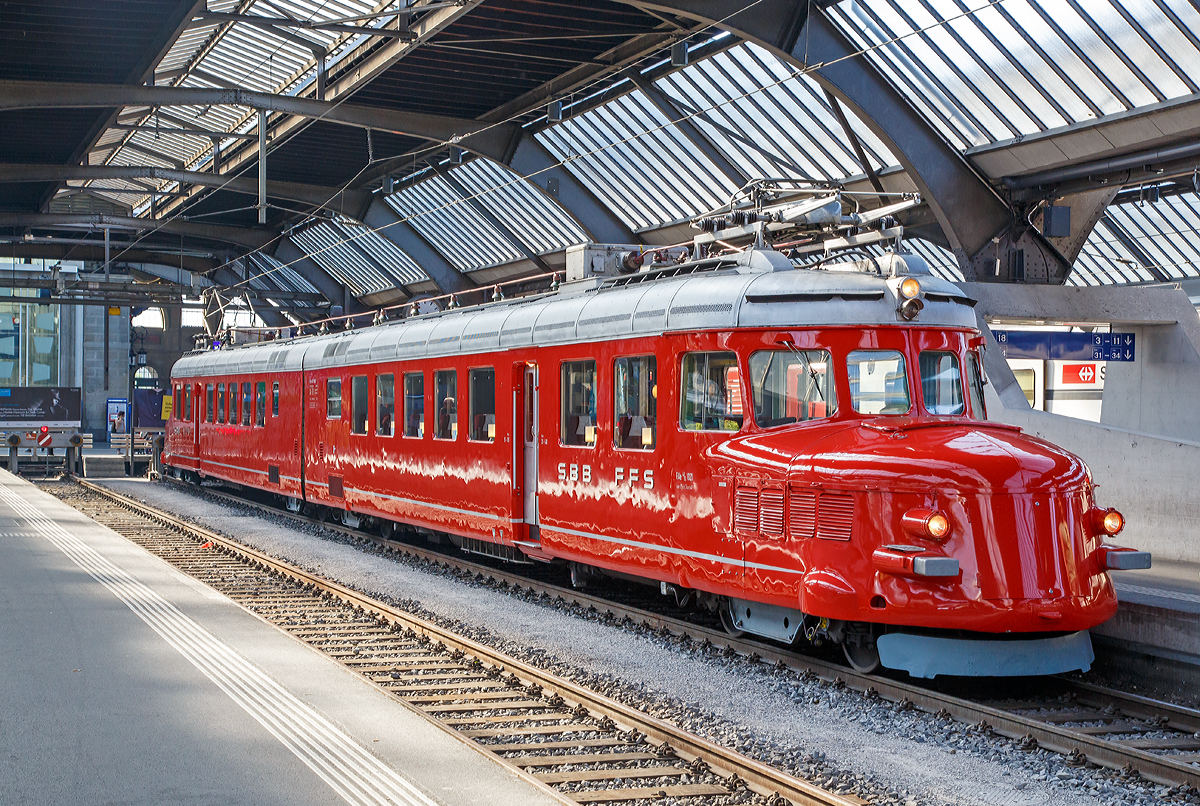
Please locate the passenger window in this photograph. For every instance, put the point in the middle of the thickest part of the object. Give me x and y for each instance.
(360, 404)
(260, 400)
(333, 398)
(220, 403)
(579, 403)
(878, 383)
(711, 398)
(275, 399)
(791, 386)
(247, 403)
(481, 383)
(414, 404)
(635, 403)
(445, 402)
(385, 410)
(941, 382)
(975, 381)
(208, 403)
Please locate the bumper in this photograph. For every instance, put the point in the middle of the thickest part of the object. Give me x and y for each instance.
(929, 656)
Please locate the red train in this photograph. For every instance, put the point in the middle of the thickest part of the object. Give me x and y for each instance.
(804, 451)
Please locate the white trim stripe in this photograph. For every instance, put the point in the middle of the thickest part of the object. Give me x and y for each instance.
(352, 772)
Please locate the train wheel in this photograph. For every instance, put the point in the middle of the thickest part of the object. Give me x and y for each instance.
(727, 622)
(863, 658)
(387, 529)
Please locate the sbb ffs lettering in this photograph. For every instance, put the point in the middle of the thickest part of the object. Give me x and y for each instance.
(574, 472)
(631, 477)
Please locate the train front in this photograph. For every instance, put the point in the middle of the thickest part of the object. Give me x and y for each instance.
(927, 538)
(975, 550)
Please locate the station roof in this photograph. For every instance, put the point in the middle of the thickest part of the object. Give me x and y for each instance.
(413, 147)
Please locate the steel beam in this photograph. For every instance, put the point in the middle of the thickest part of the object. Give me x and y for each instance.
(385, 221)
(275, 23)
(347, 202)
(533, 162)
(1086, 210)
(239, 236)
(490, 140)
(684, 125)
(95, 253)
(291, 255)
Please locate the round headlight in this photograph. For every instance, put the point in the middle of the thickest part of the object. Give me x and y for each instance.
(1113, 522)
(910, 288)
(937, 526)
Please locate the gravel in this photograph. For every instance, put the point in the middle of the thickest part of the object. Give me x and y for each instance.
(843, 740)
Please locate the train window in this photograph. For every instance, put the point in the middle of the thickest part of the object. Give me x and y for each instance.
(481, 383)
(208, 403)
(975, 381)
(878, 384)
(385, 409)
(941, 382)
(445, 403)
(247, 403)
(360, 404)
(333, 398)
(579, 403)
(260, 404)
(220, 402)
(712, 392)
(187, 402)
(414, 404)
(790, 386)
(635, 402)
(275, 399)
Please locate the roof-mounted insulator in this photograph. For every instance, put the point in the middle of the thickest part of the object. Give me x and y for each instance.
(453, 302)
(497, 294)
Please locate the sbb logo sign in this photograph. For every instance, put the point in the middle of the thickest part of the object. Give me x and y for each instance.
(1079, 373)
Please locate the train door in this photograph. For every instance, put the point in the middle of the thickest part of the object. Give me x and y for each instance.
(529, 443)
(197, 418)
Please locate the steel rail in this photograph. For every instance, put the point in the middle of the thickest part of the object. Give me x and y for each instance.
(1101, 752)
(762, 778)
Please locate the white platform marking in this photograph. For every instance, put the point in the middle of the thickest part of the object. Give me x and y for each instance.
(352, 772)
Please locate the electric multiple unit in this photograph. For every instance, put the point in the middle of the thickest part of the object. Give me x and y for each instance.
(804, 450)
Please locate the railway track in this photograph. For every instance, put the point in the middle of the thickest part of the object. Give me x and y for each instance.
(1088, 724)
(590, 748)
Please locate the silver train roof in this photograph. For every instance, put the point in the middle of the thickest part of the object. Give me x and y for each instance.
(756, 288)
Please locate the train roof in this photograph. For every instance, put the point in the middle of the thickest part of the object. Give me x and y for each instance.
(757, 288)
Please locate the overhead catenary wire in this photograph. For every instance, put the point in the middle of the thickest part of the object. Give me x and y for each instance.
(696, 113)
(563, 163)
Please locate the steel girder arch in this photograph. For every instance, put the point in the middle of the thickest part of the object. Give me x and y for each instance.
(292, 256)
(342, 200)
(991, 240)
(494, 140)
(245, 237)
(385, 221)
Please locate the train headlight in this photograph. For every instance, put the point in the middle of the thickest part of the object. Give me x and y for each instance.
(1107, 522)
(910, 288)
(926, 523)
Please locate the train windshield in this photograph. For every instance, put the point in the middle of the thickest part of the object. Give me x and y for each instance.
(878, 384)
(790, 386)
(941, 382)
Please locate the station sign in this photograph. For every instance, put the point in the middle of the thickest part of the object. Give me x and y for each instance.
(1045, 345)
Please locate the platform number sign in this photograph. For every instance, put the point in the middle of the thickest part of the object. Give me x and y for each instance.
(1067, 346)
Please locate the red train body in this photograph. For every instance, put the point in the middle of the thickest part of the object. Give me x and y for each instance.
(788, 447)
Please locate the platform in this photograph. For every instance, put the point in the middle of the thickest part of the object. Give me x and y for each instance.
(124, 681)
(1159, 613)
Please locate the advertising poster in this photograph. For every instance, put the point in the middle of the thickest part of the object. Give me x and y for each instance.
(118, 416)
(35, 406)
